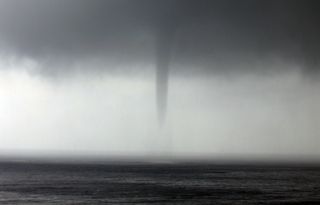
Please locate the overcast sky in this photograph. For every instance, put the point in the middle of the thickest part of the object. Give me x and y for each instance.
(227, 78)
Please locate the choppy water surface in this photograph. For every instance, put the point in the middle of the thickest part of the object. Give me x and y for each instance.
(23, 183)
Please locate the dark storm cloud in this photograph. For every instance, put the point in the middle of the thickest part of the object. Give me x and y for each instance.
(211, 35)
(72, 29)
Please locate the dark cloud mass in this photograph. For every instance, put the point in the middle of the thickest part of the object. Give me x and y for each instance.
(207, 34)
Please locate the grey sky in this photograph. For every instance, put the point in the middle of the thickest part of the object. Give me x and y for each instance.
(79, 75)
(207, 32)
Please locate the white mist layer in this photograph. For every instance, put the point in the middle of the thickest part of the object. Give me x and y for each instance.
(246, 115)
(209, 116)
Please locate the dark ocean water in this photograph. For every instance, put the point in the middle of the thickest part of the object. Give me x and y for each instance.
(23, 183)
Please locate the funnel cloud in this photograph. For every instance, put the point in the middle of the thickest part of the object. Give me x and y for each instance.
(164, 52)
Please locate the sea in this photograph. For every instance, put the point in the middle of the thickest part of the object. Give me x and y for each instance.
(157, 183)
